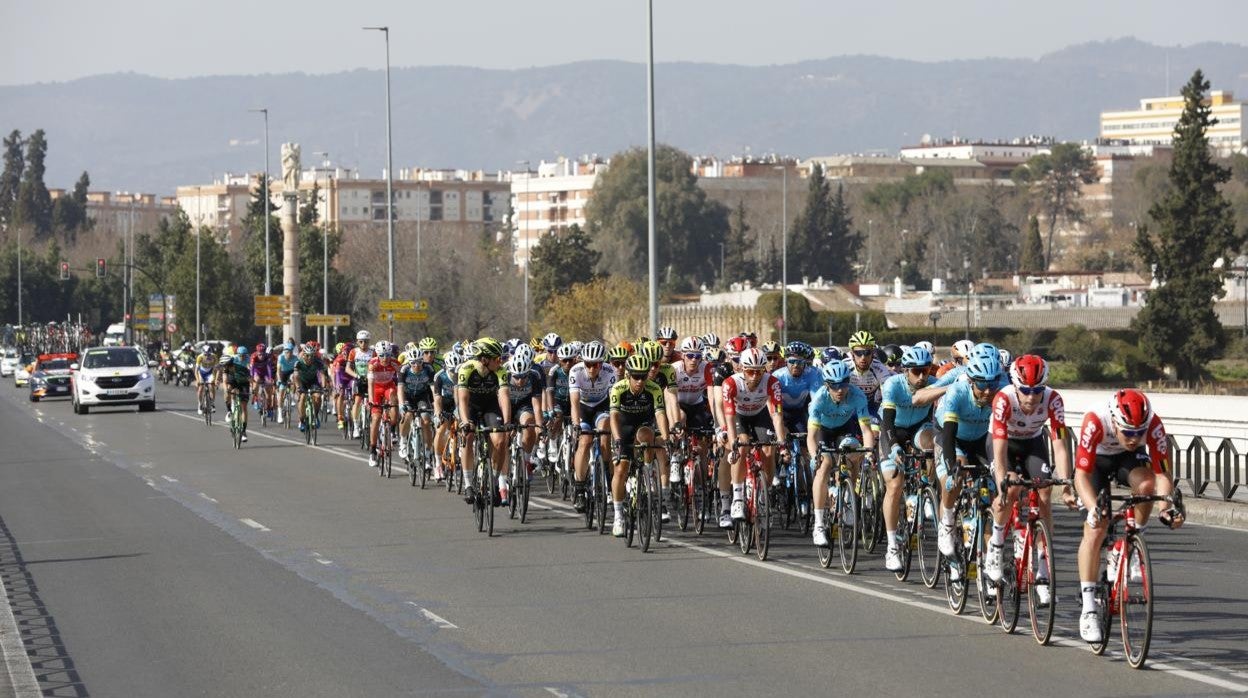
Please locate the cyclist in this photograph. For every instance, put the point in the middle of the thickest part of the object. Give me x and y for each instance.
(833, 409)
(382, 376)
(481, 397)
(773, 356)
(958, 355)
(416, 378)
(550, 345)
(798, 382)
(637, 406)
(1125, 441)
(905, 422)
(205, 376)
(357, 369)
(867, 372)
(589, 390)
(429, 351)
(285, 368)
(525, 388)
(263, 367)
(617, 355)
(555, 398)
(693, 381)
(343, 382)
(235, 376)
(444, 409)
(710, 340)
(966, 412)
(308, 376)
(667, 340)
(752, 412)
(1019, 412)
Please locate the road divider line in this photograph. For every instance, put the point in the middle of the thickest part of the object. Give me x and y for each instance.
(201, 494)
(166, 478)
(255, 524)
(434, 618)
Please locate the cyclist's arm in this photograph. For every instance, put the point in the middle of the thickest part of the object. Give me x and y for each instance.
(776, 408)
(927, 396)
(504, 402)
(1000, 436)
(949, 443)
(574, 397)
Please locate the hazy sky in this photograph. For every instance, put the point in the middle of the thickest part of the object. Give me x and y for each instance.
(53, 40)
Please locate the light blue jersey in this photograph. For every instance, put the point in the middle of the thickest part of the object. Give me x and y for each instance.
(958, 405)
(795, 392)
(956, 374)
(286, 365)
(829, 414)
(899, 397)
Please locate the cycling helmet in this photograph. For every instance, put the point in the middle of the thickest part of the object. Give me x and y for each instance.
(577, 348)
(836, 372)
(617, 353)
(452, 359)
(1029, 371)
(313, 344)
(536, 345)
(800, 350)
(714, 354)
(931, 348)
(653, 351)
(566, 352)
(594, 352)
(710, 339)
(240, 351)
(1130, 409)
(667, 333)
(878, 354)
(520, 363)
(984, 349)
(186, 345)
(1006, 357)
(692, 345)
(524, 350)
(363, 336)
(552, 342)
(487, 348)
(338, 347)
(736, 345)
(751, 338)
(413, 356)
(861, 338)
(963, 348)
(830, 354)
(892, 355)
(916, 357)
(224, 360)
(637, 365)
(771, 347)
(753, 358)
(409, 346)
(983, 366)
(383, 348)
(627, 346)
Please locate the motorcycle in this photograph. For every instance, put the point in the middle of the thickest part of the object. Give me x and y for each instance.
(185, 373)
(166, 371)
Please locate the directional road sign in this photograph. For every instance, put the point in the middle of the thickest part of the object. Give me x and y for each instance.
(327, 320)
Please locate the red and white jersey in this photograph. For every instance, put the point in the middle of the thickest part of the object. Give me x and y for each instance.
(1099, 437)
(691, 385)
(1010, 422)
(739, 399)
(383, 372)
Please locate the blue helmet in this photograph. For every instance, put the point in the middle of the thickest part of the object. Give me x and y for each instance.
(830, 354)
(835, 372)
(916, 357)
(801, 350)
(983, 365)
(984, 348)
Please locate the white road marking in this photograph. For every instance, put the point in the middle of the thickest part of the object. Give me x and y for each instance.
(166, 478)
(255, 524)
(201, 494)
(434, 618)
(321, 559)
(16, 661)
(554, 691)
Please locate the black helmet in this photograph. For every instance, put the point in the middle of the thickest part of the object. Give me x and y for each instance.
(892, 355)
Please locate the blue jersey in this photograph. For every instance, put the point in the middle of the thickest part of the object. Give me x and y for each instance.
(829, 414)
(899, 397)
(416, 380)
(286, 365)
(958, 405)
(444, 384)
(524, 387)
(957, 372)
(796, 392)
(557, 382)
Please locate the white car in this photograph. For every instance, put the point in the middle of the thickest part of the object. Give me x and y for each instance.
(111, 376)
(21, 374)
(8, 363)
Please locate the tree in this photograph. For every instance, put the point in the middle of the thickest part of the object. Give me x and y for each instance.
(253, 241)
(1055, 179)
(1032, 259)
(809, 228)
(739, 263)
(836, 262)
(11, 179)
(605, 306)
(559, 261)
(769, 270)
(69, 213)
(1195, 227)
(34, 203)
(688, 225)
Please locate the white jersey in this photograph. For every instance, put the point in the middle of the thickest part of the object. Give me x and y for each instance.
(592, 392)
(1009, 420)
(691, 385)
(870, 380)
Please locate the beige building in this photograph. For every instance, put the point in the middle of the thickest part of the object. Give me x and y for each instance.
(1154, 122)
(551, 199)
(115, 213)
(871, 169)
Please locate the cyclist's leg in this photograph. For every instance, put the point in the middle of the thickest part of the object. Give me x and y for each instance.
(499, 442)
(1143, 481)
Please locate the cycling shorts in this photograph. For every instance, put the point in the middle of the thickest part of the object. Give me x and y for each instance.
(840, 437)
(414, 403)
(484, 417)
(1118, 467)
(593, 415)
(1029, 458)
(520, 408)
(628, 433)
(755, 427)
(448, 405)
(382, 394)
(697, 416)
(975, 451)
(283, 377)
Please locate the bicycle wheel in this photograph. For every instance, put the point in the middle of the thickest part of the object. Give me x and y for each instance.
(989, 593)
(478, 503)
(847, 527)
(762, 517)
(1102, 603)
(956, 578)
(909, 534)
(521, 491)
(700, 494)
(869, 506)
(647, 504)
(1010, 592)
(654, 498)
(552, 469)
(926, 522)
(805, 508)
(683, 494)
(1135, 602)
(491, 496)
(516, 470)
(1041, 572)
(602, 495)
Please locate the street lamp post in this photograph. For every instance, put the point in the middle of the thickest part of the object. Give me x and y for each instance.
(966, 270)
(784, 256)
(652, 245)
(389, 181)
(19, 276)
(528, 250)
(268, 286)
(325, 251)
(199, 217)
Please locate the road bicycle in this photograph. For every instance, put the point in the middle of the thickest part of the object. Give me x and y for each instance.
(521, 484)
(973, 518)
(871, 505)
(919, 522)
(693, 451)
(454, 479)
(419, 457)
(384, 449)
(754, 531)
(288, 402)
(841, 510)
(311, 420)
(559, 465)
(796, 503)
(207, 404)
(484, 488)
(1125, 586)
(235, 419)
(1032, 566)
(598, 488)
(642, 499)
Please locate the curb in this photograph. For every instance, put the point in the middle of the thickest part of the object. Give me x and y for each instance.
(1216, 512)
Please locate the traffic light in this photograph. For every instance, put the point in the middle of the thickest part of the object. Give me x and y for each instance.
(101, 268)
(64, 271)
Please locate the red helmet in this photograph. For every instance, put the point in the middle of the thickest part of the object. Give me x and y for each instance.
(1130, 409)
(736, 345)
(1029, 371)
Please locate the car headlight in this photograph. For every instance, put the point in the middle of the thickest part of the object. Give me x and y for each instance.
(145, 375)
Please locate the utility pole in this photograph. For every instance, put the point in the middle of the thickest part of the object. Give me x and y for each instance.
(528, 249)
(653, 247)
(389, 181)
(268, 286)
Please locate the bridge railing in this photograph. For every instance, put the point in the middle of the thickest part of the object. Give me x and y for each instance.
(1210, 467)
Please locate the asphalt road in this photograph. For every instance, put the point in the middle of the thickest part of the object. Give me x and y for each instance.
(158, 561)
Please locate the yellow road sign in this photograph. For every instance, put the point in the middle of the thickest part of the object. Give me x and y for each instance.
(410, 316)
(396, 304)
(272, 301)
(269, 322)
(327, 320)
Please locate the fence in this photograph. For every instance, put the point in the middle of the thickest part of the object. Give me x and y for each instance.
(725, 321)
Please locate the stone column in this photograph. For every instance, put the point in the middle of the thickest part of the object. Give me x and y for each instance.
(290, 265)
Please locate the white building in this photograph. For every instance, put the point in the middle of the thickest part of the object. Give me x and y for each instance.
(1156, 118)
(551, 199)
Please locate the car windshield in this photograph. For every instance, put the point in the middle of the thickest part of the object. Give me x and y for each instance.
(10, 353)
(118, 358)
(54, 365)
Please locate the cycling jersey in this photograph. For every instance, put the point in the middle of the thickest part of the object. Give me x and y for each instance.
(958, 406)
(1010, 422)
(739, 399)
(796, 391)
(262, 368)
(899, 397)
(591, 392)
(637, 407)
(525, 387)
(238, 376)
(1099, 437)
(830, 414)
(691, 385)
(958, 373)
(205, 364)
(416, 381)
(481, 384)
(664, 375)
(557, 383)
(721, 373)
(308, 372)
(444, 385)
(358, 359)
(384, 374)
(870, 380)
(286, 365)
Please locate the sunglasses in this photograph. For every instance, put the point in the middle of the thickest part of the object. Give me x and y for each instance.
(1025, 390)
(638, 376)
(918, 371)
(618, 362)
(565, 361)
(693, 355)
(863, 352)
(796, 362)
(837, 386)
(983, 385)
(593, 364)
(667, 342)
(773, 357)
(1133, 433)
(753, 371)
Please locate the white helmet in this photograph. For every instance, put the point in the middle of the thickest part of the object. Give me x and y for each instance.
(363, 336)
(963, 348)
(931, 348)
(414, 356)
(520, 363)
(524, 350)
(566, 351)
(594, 352)
(752, 358)
(383, 348)
(692, 344)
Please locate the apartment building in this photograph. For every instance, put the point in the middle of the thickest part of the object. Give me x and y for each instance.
(115, 213)
(1154, 122)
(550, 199)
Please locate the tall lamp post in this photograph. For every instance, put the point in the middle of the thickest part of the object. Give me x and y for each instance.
(652, 246)
(528, 251)
(325, 250)
(268, 285)
(389, 180)
(966, 271)
(1242, 262)
(784, 256)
